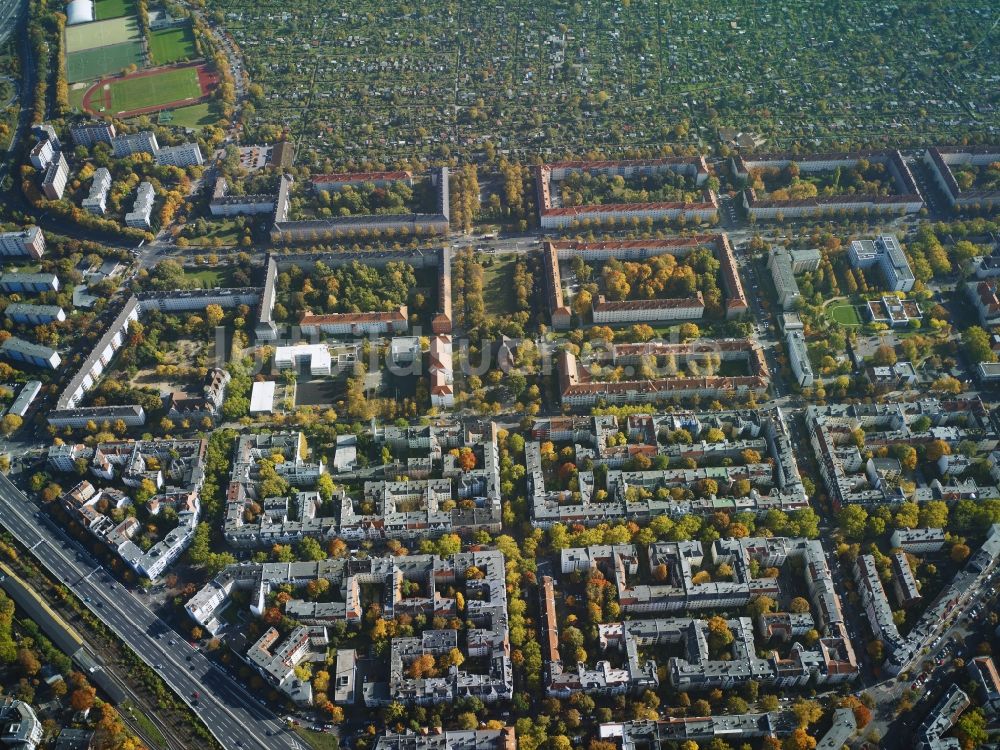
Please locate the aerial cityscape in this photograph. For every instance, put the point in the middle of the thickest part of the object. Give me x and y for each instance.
(615, 375)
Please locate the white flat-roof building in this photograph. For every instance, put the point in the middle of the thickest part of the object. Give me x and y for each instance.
(20, 405)
(317, 355)
(884, 251)
(79, 11)
(262, 397)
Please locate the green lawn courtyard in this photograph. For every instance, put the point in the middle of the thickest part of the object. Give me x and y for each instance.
(844, 314)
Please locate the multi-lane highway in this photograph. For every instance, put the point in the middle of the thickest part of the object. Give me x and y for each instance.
(230, 713)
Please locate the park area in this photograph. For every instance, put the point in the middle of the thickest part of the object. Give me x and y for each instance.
(149, 91)
(172, 45)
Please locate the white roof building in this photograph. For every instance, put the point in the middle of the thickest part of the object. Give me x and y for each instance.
(317, 355)
(262, 397)
(79, 11)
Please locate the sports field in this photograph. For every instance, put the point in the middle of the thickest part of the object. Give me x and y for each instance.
(105, 9)
(845, 315)
(171, 45)
(194, 116)
(101, 34)
(89, 64)
(167, 86)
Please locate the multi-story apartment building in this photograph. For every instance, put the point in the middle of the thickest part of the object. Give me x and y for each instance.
(134, 143)
(442, 372)
(24, 312)
(355, 324)
(414, 224)
(906, 197)
(96, 201)
(15, 281)
(578, 389)
(184, 155)
(142, 209)
(798, 358)
(28, 242)
(487, 639)
(553, 216)
(42, 154)
(779, 262)
(223, 204)
(176, 469)
(648, 310)
(36, 355)
(918, 541)
(940, 161)
(91, 133)
(56, 176)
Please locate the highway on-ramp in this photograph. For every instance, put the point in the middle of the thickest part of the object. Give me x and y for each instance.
(230, 713)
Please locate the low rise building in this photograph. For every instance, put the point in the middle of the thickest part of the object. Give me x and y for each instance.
(277, 664)
(24, 312)
(452, 739)
(930, 735)
(26, 352)
(355, 324)
(15, 281)
(984, 674)
(918, 541)
(19, 406)
(316, 355)
(262, 397)
(19, 726)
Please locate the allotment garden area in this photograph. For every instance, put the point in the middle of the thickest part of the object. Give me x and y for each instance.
(391, 80)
